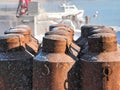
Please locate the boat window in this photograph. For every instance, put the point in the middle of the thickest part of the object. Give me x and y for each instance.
(71, 7)
(67, 8)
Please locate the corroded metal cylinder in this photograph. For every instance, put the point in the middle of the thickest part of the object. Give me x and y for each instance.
(59, 32)
(15, 63)
(51, 27)
(99, 67)
(25, 27)
(66, 29)
(102, 42)
(89, 30)
(50, 67)
(26, 33)
(85, 32)
(86, 29)
(58, 44)
(9, 42)
(32, 44)
(103, 30)
(73, 48)
(33, 39)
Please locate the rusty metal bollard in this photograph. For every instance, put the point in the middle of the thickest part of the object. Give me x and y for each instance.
(20, 31)
(59, 32)
(25, 27)
(15, 63)
(34, 40)
(32, 44)
(51, 27)
(74, 49)
(82, 41)
(51, 65)
(99, 67)
(88, 30)
(85, 32)
(103, 30)
(65, 29)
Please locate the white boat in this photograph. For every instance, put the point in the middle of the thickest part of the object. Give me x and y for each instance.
(68, 9)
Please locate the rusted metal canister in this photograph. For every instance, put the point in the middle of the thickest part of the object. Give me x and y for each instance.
(99, 67)
(74, 49)
(59, 32)
(51, 65)
(66, 29)
(73, 75)
(34, 42)
(51, 27)
(25, 27)
(85, 32)
(15, 63)
(103, 30)
(9, 42)
(27, 34)
(108, 42)
(31, 43)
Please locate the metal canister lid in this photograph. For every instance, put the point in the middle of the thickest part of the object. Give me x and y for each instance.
(103, 30)
(11, 41)
(51, 27)
(54, 44)
(65, 29)
(22, 31)
(17, 31)
(86, 29)
(25, 27)
(102, 42)
(92, 26)
(59, 32)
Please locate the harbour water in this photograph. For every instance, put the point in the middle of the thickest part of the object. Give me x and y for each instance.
(108, 11)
